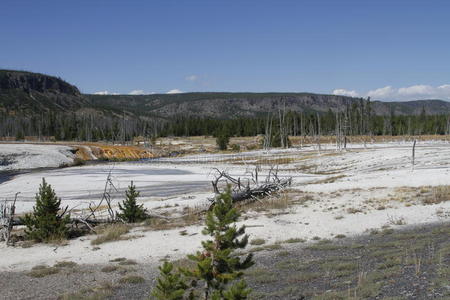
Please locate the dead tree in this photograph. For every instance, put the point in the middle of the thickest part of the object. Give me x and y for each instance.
(268, 133)
(7, 213)
(249, 190)
(106, 197)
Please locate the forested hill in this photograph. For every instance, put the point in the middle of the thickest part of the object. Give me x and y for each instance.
(28, 92)
(229, 105)
(38, 105)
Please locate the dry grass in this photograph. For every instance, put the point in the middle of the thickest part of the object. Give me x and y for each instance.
(42, 271)
(280, 203)
(131, 279)
(438, 194)
(191, 216)
(109, 269)
(426, 195)
(257, 242)
(352, 210)
(100, 292)
(293, 240)
(328, 180)
(118, 259)
(65, 264)
(127, 262)
(110, 233)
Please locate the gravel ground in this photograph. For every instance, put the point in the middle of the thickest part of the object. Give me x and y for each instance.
(405, 264)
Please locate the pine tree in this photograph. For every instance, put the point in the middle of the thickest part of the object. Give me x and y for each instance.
(222, 141)
(131, 212)
(170, 285)
(217, 264)
(46, 223)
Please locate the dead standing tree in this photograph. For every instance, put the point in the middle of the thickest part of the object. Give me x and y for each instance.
(106, 197)
(268, 132)
(7, 212)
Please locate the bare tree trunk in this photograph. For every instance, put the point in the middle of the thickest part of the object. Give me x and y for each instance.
(7, 213)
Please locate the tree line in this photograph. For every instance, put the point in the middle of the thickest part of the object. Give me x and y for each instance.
(355, 119)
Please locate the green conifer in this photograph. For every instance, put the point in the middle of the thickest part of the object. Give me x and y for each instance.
(217, 264)
(46, 222)
(170, 285)
(131, 212)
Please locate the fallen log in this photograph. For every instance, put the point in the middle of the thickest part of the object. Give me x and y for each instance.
(253, 194)
(262, 190)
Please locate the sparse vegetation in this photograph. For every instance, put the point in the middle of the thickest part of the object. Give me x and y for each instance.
(110, 233)
(109, 269)
(42, 271)
(131, 279)
(257, 242)
(65, 264)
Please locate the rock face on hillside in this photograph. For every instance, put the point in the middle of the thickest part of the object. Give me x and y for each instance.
(33, 92)
(29, 82)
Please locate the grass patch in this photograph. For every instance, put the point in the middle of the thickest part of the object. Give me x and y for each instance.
(336, 266)
(257, 242)
(340, 236)
(42, 271)
(111, 233)
(304, 277)
(109, 269)
(131, 279)
(266, 248)
(119, 259)
(294, 240)
(127, 262)
(325, 247)
(328, 180)
(65, 264)
(97, 293)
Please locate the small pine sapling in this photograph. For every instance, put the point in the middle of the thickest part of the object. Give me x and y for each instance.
(46, 222)
(131, 212)
(170, 285)
(217, 265)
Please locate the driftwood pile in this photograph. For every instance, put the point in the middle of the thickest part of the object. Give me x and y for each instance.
(249, 189)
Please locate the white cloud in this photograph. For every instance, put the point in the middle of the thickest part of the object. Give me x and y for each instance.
(105, 93)
(191, 78)
(102, 93)
(419, 89)
(382, 93)
(137, 92)
(413, 92)
(174, 91)
(344, 92)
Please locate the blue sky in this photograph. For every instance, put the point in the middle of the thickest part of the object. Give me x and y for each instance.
(385, 49)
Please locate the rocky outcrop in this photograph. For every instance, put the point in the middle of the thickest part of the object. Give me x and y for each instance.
(30, 82)
(33, 92)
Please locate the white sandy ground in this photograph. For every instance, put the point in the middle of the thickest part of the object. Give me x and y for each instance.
(370, 174)
(31, 156)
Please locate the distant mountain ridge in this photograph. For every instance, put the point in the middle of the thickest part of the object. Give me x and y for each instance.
(33, 92)
(227, 105)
